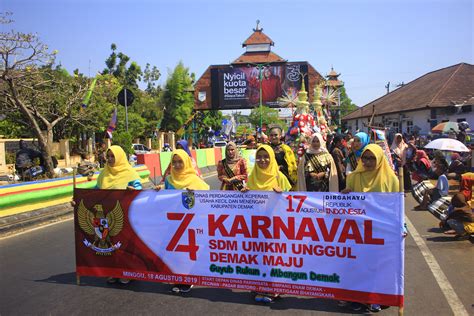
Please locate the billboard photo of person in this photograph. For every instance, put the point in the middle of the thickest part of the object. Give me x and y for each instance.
(271, 86)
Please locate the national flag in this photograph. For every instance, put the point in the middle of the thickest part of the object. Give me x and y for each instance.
(112, 124)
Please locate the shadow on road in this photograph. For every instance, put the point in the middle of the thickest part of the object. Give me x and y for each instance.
(209, 294)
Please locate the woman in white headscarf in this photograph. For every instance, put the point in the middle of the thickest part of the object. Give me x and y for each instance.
(399, 154)
(316, 170)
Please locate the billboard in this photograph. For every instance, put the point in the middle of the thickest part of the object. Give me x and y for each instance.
(238, 87)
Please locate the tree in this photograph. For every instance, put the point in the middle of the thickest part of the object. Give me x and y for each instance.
(150, 77)
(346, 103)
(32, 91)
(266, 114)
(178, 98)
(117, 66)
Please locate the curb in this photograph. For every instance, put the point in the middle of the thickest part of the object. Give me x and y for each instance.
(18, 222)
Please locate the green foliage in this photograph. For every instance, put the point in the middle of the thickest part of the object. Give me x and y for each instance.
(177, 98)
(12, 129)
(243, 130)
(117, 66)
(266, 114)
(124, 140)
(346, 103)
(136, 123)
(150, 76)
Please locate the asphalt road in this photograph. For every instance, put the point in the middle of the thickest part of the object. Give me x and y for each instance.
(37, 277)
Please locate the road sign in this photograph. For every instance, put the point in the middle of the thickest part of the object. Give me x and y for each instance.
(125, 93)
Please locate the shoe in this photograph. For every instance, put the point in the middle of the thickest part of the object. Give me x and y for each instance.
(374, 308)
(112, 280)
(124, 281)
(185, 288)
(268, 299)
(181, 288)
(342, 303)
(420, 208)
(356, 306)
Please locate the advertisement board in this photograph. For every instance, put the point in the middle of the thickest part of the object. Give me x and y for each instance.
(238, 87)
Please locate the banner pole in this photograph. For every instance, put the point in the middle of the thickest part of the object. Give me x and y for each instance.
(74, 177)
(74, 169)
(400, 179)
(401, 189)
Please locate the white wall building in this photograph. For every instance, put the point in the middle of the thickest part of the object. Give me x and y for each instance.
(442, 95)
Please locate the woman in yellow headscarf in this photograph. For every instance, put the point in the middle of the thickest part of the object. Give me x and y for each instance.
(183, 176)
(265, 175)
(118, 173)
(373, 173)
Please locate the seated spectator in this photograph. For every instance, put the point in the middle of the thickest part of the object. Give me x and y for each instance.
(421, 166)
(460, 218)
(441, 189)
(24, 159)
(456, 167)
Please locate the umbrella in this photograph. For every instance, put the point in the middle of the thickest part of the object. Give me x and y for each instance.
(446, 127)
(448, 144)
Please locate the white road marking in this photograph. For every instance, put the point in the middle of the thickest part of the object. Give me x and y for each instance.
(453, 300)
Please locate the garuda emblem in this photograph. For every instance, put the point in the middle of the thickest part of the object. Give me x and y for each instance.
(101, 226)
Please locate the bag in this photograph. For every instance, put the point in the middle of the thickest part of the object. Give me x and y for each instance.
(420, 188)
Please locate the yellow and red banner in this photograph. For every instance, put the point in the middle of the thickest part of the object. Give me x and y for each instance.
(327, 245)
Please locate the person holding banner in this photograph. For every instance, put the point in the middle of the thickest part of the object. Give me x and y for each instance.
(317, 171)
(372, 174)
(284, 156)
(182, 144)
(118, 174)
(182, 177)
(266, 176)
(360, 140)
(232, 171)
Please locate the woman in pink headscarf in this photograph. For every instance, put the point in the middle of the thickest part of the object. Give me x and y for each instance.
(422, 166)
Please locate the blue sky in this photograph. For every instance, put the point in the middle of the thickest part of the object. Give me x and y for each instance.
(369, 42)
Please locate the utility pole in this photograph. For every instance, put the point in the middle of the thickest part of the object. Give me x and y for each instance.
(387, 86)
